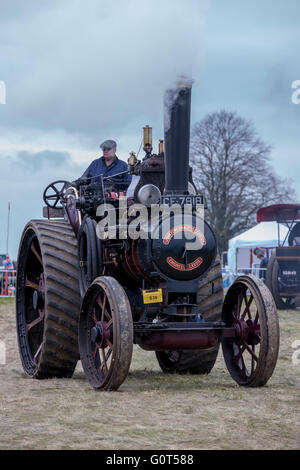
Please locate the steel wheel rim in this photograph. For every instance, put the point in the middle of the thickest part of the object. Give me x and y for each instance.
(31, 302)
(245, 314)
(101, 349)
(84, 256)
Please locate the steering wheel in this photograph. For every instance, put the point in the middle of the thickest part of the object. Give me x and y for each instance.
(55, 192)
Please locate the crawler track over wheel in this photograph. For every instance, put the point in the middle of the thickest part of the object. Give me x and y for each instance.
(47, 299)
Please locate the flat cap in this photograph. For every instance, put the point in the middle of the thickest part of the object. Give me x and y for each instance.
(108, 144)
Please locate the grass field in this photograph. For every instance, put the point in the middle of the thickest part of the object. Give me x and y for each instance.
(151, 410)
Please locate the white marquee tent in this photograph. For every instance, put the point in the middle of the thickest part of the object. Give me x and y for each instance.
(262, 235)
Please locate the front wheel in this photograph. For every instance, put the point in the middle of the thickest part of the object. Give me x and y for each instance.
(250, 310)
(105, 334)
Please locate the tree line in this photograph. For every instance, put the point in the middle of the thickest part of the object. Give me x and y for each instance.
(232, 168)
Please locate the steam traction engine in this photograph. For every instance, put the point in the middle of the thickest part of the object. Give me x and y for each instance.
(84, 289)
(283, 270)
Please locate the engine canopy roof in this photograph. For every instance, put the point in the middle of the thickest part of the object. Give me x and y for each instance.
(279, 213)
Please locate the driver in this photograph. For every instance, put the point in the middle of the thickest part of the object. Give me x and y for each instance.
(108, 165)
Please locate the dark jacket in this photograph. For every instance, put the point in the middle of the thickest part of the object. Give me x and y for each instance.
(263, 265)
(99, 167)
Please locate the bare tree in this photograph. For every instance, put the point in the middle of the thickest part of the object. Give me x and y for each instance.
(231, 167)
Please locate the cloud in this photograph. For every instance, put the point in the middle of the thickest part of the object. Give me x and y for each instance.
(77, 73)
(16, 9)
(98, 65)
(36, 162)
(24, 176)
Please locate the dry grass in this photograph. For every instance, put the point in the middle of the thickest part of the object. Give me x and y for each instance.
(151, 410)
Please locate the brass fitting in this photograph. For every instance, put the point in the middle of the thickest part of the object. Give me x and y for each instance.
(147, 130)
(132, 160)
(160, 146)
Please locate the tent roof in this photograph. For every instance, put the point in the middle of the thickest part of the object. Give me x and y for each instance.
(264, 232)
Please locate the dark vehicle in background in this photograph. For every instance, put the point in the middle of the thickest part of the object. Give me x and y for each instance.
(283, 271)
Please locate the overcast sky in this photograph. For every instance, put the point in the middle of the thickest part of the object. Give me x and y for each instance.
(79, 72)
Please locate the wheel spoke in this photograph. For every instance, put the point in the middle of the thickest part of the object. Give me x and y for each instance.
(94, 316)
(31, 284)
(65, 186)
(54, 205)
(99, 302)
(247, 307)
(55, 189)
(36, 321)
(107, 315)
(95, 351)
(105, 359)
(33, 249)
(37, 352)
(252, 359)
(104, 363)
(103, 307)
(243, 365)
(96, 357)
(236, 309)
(240, 353)
(250, 351)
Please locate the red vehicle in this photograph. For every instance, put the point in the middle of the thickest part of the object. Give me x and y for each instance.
(283, 272)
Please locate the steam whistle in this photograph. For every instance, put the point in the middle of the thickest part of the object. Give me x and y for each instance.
(147, 130)
(160, 146)
(132, 162)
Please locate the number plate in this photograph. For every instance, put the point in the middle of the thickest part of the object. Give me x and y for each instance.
(152, 296)
(182, 200)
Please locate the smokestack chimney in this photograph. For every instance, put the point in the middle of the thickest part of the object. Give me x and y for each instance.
(177, 137)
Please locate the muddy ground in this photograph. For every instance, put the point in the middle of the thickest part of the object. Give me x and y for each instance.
(151, 410)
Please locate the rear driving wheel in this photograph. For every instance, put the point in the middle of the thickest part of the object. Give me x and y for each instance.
(250, 310)
(105, 334)
(47, 299)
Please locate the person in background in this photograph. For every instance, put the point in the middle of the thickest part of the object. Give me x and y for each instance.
(260, 254)
(7, 263)
(108, 165)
